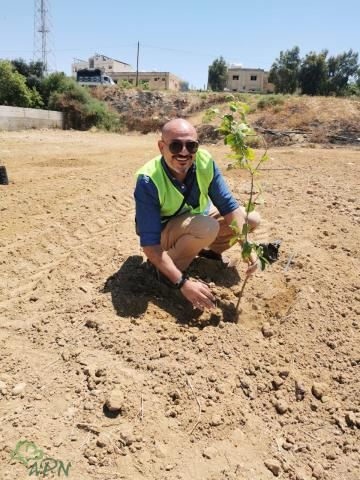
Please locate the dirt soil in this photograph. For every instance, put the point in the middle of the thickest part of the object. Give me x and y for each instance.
(103, 367)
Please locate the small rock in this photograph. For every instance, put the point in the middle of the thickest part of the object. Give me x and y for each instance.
(102, 440)
(209, 452)
(18, 389)
(91, 323)
(318, 471)
(299, 390)
(127, 436)
(115, 401)
(169, 467)
(65, 355)
(318, 390)
(267, 330)
(281, 407)
(3, 388)
(277, 382)
(351, 419)
(216, 421)
(274, 466)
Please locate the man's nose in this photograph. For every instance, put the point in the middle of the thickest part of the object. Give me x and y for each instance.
(184, 150)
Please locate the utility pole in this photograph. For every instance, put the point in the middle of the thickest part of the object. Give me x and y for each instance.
(137, 65)
(41, 49)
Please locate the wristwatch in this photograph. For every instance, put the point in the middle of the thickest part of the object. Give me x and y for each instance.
(180, 283)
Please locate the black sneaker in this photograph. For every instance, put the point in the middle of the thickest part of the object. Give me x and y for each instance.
(271, 250)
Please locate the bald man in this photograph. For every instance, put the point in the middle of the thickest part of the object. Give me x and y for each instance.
(184, 206)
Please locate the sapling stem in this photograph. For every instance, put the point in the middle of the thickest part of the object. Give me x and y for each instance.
(235, 128)
(237, 309)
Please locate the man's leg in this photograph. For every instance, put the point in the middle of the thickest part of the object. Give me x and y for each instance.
(221, 242)
(185, 235)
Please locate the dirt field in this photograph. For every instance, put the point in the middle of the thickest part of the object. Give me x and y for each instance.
(199, 397)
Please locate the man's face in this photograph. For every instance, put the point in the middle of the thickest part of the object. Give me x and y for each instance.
(179, 163)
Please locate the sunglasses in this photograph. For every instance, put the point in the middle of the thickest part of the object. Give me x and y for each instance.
(176, 146)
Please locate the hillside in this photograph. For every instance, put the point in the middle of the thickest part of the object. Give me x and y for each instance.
(285, 120)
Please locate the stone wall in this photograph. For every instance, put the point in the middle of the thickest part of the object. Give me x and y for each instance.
(17, 118)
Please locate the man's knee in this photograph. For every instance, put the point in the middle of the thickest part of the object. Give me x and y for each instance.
(202, 226)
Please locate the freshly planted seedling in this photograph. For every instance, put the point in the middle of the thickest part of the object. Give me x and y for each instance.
(238, 135)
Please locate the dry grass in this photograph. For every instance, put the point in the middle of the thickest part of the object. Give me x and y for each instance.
(321, 117)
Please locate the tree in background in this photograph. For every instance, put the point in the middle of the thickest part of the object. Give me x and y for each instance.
(341, 69)
(217, 77)
(284, 71)
(13, 89)
(32, 71)
(313, 73)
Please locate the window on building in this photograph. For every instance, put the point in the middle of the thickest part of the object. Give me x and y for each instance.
(109, 67)
(235, 77)
(91, 63)
(253, 77)
(156, 79)
(163, 79)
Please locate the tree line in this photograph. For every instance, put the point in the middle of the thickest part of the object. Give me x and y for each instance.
(22, 84)
(314, 74)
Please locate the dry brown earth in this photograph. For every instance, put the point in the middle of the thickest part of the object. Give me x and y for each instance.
(199, 396)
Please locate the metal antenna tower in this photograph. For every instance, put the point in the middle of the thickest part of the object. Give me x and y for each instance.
(42, 26)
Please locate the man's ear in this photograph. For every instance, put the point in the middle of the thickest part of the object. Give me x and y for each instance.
(161, 146)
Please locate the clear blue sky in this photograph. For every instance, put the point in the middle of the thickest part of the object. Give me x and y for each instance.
(182, 37)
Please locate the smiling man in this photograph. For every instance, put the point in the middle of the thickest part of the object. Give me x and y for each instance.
(184, 206)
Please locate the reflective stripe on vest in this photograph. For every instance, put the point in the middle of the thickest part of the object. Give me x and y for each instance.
(170, 198)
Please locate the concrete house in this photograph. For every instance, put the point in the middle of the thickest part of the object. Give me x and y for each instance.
(106, 64)
(248, 80)
(120, 71)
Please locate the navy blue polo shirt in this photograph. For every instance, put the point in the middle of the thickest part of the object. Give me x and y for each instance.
(148, 221)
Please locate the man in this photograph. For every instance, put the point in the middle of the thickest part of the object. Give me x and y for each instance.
(173, 194)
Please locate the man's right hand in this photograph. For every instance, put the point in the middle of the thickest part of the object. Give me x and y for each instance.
(199, 294)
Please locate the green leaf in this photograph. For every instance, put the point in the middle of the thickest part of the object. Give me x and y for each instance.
(249, 207)
(245, 229)
(246, 250)
(234, 227)
(250, 154)
(232, 241)
(228, 117)
(263, 263)
(233, 108)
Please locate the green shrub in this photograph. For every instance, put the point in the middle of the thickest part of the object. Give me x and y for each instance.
(13, 89)
(81, 110)
(125, 85)
(270, 101)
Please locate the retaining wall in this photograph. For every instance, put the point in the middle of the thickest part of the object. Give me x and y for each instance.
(17, 118)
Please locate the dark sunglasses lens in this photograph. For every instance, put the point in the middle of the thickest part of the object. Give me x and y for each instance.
(192, 147)
(175, 147)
